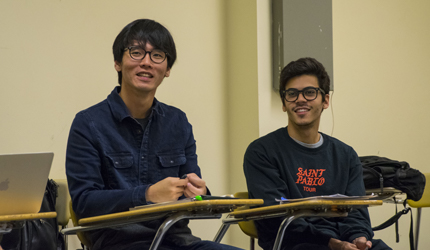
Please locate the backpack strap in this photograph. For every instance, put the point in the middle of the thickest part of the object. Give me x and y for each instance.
(394, 219)
(381, 177)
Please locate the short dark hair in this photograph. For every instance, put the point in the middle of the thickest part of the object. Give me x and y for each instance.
(304, 66)
(144, 31)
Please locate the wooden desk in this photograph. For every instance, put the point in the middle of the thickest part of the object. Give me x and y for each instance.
(292, 211)
(16, 219)
(387, 194)
(175, 211)
(24, 217)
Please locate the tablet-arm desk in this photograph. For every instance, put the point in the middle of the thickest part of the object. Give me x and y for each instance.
(292, 211)
(24, 217)
(173, 212)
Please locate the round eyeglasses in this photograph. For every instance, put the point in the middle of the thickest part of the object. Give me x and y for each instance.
(156, 55)
(309, 93)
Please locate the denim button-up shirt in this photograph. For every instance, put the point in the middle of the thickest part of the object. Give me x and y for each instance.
(111, 160)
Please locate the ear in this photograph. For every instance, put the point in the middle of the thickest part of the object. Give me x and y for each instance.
(167, 73)
(326, 101)
(117, 66)
(284, 108)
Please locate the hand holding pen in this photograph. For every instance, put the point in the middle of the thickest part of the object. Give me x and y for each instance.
(195, 185)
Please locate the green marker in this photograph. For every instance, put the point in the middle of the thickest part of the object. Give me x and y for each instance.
(198, 198)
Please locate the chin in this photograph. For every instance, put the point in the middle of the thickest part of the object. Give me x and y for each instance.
(302, 123)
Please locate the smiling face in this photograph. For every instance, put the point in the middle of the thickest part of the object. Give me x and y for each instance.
(304, 114)
(141, 76)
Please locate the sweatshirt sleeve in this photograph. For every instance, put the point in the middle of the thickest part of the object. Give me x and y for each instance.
(357, 223)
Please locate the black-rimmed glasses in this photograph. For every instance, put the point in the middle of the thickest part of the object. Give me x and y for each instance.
(309, 93)
(156, 55)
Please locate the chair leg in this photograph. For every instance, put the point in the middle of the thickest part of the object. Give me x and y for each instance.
(221, 232)
(252, 243)
(417, 227)
(65, 238)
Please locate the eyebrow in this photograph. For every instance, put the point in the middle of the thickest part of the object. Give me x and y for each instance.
(303, 88)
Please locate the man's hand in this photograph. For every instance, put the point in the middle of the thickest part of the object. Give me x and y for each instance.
(335, 244)
(362, 243)
(169, 189)
(195, 186)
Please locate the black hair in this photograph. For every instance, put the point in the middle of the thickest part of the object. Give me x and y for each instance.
(304, 66)
(144, 31)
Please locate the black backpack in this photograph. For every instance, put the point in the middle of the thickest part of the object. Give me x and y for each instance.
(42, 234)
(380, 172)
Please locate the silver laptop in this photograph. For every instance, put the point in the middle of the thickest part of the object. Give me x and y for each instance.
(23, 179)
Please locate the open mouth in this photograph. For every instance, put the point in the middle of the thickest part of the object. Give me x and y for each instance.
(143, 74)
(301, 109)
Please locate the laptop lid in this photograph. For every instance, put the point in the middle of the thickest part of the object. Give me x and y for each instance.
(23, 179)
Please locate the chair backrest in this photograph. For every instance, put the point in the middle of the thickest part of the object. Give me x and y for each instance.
(62, 203)
(248, 227)
(81, 235)
(425, 199)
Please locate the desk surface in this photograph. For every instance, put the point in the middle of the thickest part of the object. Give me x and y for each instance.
(22, 217)
(301, 205)
(216, 206)
(388, 194)
(385, 190)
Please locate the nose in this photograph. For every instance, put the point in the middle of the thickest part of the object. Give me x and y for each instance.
(146, 60)
(301, 97)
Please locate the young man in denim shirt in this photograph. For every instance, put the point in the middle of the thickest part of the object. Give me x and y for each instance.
(131, 150)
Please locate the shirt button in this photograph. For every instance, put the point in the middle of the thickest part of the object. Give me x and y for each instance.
(143, 157)
(171, 161)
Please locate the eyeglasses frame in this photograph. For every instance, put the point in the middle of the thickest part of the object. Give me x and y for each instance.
(146, 52)
(302, 92)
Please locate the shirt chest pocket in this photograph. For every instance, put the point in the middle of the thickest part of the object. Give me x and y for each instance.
(170, 164)
(120, 162)
(121, 173)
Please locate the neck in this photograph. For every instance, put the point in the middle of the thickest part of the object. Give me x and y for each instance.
(139, 104)
(309, 135)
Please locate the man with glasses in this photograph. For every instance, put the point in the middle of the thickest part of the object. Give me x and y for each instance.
(132, 150)
(298, 161)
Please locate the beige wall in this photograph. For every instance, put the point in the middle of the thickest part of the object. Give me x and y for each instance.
(56, 60)
(242, 92)
(381, 55)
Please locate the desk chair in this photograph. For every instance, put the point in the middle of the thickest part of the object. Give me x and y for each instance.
(81, 236)
(290, 211)
(423, 202)
(62, 205)
(172, 212)
(247, 227)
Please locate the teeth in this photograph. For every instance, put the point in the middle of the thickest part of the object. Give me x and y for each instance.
(144, 75)
(301, 110)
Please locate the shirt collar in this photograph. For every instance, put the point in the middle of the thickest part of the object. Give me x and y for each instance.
(313, 145)
(120, 110)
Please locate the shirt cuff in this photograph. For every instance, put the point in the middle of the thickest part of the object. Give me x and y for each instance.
(139, 195)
